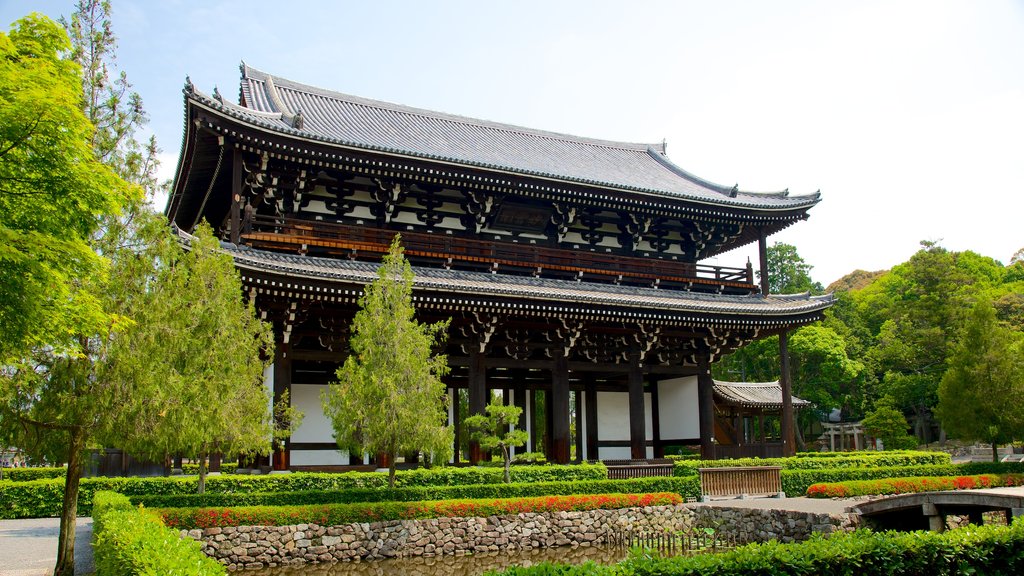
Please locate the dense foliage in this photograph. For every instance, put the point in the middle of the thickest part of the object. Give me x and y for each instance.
(911, 485)
(131, 540)
(992, 550)
(334, 514)
(890, 337)
(824, 460)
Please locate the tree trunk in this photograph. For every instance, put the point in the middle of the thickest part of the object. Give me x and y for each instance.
(69, 511)
(202, 473)
(508, 459)
(391, 469)
(995, 451)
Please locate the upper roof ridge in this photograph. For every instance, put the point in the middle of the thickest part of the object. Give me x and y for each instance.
(277, 82)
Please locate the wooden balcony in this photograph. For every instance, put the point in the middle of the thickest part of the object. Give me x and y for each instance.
(365, 243)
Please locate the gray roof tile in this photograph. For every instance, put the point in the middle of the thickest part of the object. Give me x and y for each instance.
(339, 118)
(754, 394)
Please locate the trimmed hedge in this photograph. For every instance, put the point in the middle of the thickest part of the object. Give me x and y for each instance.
(685, 487)
(42, 498)
(989, 550)
(132, 541)
(811, 461)
(225, 468)
(334, 514)
(28, 474)
(912, 485)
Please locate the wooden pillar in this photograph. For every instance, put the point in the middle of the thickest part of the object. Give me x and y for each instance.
(533, 421)
(593, 452)
(456, 425)
(559, 412)
(477, 395)
(578, 415)
(787, 425)
(706, 407)
(282, 384)
(652, 385)
(236, 195)
(519, 399)
(637, 416)
(762, 253)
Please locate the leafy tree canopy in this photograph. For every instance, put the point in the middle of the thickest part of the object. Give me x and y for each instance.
(389, 397)
(494, 430)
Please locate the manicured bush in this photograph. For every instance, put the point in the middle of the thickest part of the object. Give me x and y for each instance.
(333, 514)
(822, 460)
(132, 541)
(796, 482)
(225, 468)
(42, 498)
(990, 550)
(27, 474)
(911, 485)
(685, 487)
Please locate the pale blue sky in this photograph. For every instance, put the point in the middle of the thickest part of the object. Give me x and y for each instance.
(909, 116)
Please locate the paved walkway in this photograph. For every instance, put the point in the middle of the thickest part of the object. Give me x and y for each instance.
(29, 547)
(800, 504)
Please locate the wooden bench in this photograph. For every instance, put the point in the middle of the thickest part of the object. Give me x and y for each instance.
(626, 469)
(741, 481)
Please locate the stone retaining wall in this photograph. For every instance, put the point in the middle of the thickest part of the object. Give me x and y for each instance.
(268, 546)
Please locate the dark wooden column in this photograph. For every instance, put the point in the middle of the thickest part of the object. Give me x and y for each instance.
(788, 429)
(236, 195)
(591, 409)
(534, 433)
(706, 407)
(637, 427)
(456, 425)
(762, 253)
(282, 384)
(652, 385)
(477, 395)
(559, 412)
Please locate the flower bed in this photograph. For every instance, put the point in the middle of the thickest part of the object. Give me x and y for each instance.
(911, 485)
(335, 514)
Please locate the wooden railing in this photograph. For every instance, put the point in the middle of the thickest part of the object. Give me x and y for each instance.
(741, 481)
(756, 450)
(353, 240)
(626, 469)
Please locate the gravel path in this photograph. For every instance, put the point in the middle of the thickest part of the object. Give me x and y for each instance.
(29, 547)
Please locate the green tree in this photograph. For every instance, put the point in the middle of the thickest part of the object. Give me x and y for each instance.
(495, 430)
(53, 194)
(979, 393)
(890, 426)
(197, 343)
(788, 273)
(389, 397)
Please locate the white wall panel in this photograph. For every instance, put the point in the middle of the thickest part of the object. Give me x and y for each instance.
(678, 408)
(315, 426)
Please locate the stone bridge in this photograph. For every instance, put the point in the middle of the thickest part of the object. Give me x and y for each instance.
(928, 510)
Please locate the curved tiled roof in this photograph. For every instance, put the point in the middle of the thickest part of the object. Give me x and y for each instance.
(297, 109)
(754, 394)
(466, 283)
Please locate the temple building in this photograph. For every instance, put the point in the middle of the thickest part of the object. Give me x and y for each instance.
(572, 269)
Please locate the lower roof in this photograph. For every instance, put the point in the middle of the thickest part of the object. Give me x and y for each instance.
(754, 394)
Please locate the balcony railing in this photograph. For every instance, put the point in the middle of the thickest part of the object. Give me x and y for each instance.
(359, 242)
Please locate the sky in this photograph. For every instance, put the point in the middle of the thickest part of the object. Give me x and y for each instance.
(908, 116)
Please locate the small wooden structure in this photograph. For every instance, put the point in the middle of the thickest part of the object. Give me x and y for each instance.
(626, 469)
(741, 481)
(741, 409)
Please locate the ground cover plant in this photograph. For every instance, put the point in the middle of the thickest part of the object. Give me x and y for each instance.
(990, 550)
(911, 485)
(334, 514)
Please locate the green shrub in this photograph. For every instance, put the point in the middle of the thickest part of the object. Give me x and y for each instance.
(27, 474)
(685, 487)
(334, 514)
(990, 550)
(796, 482)
(193, 468)
(132, 541)
(42, 498)
(822, 460)
(911, 485)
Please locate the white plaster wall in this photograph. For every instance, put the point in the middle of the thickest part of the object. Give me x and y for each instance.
(613, 424)
(613, 416)
(316, 427)
(678, 409)
(318, 458)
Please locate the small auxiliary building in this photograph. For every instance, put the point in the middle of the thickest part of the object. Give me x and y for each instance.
(570, 267)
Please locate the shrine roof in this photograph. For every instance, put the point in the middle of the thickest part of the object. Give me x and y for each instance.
(288, 107)
(297, 268)
(754, 394)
